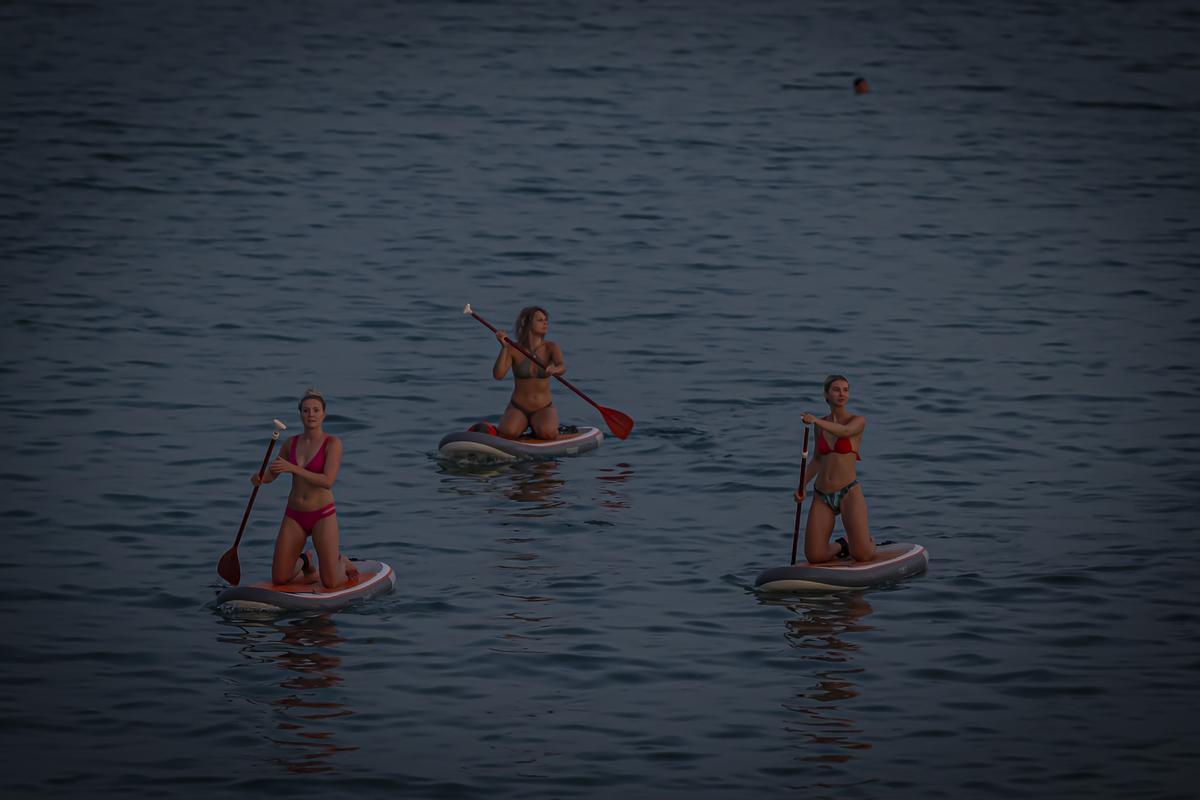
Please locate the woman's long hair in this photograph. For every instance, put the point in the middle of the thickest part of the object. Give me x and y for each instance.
(525, 322)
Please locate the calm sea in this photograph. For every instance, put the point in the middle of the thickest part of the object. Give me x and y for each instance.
(207, 207)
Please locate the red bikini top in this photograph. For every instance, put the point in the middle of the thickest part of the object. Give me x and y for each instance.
(842, 445)
(317, 462)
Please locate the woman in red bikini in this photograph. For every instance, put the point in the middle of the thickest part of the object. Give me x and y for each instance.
(836, 486)
(531, 405)
(314, 459)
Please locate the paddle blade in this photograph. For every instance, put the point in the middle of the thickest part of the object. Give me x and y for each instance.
(229, 568)
(620, 424)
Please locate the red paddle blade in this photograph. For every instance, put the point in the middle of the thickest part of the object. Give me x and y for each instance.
(229, 568)
(620, 424)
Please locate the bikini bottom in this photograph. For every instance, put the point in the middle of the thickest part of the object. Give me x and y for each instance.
(529, 414)
(834, 499)
(309, 519)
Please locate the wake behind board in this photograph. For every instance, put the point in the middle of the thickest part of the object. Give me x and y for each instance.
(891, 562)
(374, 578)
(477, 447)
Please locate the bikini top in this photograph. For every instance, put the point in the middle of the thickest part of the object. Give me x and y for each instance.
(317, 462)
(527, 369)
(841, 445)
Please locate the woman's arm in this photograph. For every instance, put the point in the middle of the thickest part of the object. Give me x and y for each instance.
(324, 479)
(555, 364)
(504, 359)
(333, 463)
(810, 474)
(269, 475)
(814, 469)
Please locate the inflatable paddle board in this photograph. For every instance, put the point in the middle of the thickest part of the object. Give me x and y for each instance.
(374, 578)
(891, 562)
(484, 448)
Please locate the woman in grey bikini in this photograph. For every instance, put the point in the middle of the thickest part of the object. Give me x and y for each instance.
(531, 405)
(835, 481)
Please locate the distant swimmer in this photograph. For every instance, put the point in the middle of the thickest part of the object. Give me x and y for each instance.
(861, 86)
(313, 458)
(835, 481)
(531, 405)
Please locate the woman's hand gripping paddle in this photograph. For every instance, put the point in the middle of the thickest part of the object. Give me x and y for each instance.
(620, 424)
(228, 567)
(803, 464)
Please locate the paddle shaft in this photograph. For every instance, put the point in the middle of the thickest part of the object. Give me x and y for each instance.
(261, 471)
(803, 465)
(534, 359)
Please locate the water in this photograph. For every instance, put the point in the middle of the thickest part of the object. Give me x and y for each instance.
(208, 208)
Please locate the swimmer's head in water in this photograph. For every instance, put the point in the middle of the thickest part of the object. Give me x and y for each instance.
(861, 86)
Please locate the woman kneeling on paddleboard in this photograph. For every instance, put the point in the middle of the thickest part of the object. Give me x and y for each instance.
(836, 486)
(531, 405)
(314, 459)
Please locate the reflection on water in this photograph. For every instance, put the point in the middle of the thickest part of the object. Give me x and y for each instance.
(612, 485)
(536, 483)
(528, 564)
(820, 632)
(533, 482)
(524, 575)
(308, 712)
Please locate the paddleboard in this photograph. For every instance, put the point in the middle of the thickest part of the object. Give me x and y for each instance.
(891, 562)
(374, 578)
(483, 448)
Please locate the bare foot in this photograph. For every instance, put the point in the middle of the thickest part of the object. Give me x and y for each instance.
(351, 570)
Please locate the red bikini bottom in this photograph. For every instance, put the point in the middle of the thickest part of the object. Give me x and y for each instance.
(309, 519)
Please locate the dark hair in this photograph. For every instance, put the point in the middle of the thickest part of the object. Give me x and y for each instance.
(311, 394)
(859, 79)
(525, 320)
(829, 379)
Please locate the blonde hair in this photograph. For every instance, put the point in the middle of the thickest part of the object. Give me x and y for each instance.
(311, 394)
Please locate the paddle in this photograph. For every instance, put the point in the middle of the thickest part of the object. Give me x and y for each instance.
(620, 424)
(228, 567)
(803, 464)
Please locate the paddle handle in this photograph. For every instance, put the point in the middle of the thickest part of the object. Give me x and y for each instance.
(261, 471)
(518, 346)
(803, 465)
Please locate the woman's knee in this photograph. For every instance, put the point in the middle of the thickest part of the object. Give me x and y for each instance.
(815, 552)
(862, 552)
(332, 575)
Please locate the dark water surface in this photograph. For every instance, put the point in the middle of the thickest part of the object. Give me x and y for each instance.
(208, 207)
